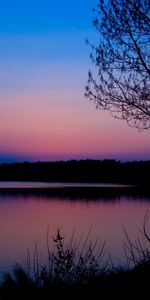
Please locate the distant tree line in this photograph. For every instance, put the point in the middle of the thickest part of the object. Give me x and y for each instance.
(102, 171)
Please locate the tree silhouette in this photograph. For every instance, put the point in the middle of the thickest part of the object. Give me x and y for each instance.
(122, 59)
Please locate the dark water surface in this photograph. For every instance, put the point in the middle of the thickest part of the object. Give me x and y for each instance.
(28, 209)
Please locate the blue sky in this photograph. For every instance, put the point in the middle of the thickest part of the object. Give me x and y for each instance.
(44, 65)
(32, 17)
(34, 34)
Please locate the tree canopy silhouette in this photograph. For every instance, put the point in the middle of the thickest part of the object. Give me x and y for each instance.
(122, 59)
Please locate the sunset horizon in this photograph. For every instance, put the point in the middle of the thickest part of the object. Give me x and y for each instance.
(44, 70)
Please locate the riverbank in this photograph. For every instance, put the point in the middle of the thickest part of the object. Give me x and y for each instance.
(117, 284)
(71, 272)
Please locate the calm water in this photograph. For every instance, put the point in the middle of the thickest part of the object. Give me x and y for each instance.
(25, 217)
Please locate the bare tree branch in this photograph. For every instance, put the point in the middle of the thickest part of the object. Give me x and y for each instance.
(121, 84)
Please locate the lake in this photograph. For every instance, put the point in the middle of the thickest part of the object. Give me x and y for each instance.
(28, 210)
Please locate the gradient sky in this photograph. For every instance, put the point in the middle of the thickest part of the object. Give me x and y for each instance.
(44, 65)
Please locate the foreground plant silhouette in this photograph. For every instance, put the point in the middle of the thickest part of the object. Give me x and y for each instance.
(137, 252)
(81, 269)
(68, 264)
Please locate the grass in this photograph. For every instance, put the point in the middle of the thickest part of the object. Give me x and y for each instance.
(80, 269)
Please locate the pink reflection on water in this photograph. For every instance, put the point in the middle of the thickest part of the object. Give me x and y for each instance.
(25, 220)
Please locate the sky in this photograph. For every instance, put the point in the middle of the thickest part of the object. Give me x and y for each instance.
(44, 69)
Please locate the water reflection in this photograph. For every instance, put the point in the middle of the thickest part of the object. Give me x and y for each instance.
(70, 192)
(26, 214)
